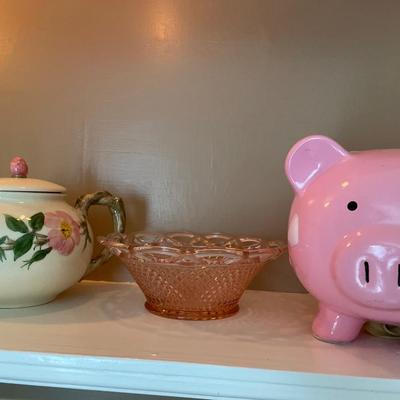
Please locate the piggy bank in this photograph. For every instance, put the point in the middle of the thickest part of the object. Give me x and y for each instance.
(344, 234)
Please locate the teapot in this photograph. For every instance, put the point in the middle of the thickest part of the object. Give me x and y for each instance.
(46, 244)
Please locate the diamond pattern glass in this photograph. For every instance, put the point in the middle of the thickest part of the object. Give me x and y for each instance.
(189, 276)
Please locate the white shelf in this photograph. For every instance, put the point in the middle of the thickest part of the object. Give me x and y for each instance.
(98, 336)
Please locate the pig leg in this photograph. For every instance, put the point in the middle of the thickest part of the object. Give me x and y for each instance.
(334, 327)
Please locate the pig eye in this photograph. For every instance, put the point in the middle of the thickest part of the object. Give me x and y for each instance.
(352, 206)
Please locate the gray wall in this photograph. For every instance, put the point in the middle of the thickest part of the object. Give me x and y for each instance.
(22, 392)
(187, 108)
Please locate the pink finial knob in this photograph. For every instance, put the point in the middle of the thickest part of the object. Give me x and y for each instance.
(18, 167)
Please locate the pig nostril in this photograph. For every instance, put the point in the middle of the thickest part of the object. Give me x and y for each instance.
(398, 275)
(366, 270)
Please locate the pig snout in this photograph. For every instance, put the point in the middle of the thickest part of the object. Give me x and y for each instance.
(366, 267)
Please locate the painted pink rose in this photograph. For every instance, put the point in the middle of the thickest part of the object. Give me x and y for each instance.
(64, 233)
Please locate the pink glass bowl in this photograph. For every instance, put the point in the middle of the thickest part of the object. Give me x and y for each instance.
(190, 276)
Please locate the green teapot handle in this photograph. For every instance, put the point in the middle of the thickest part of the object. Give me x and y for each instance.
(117, 210)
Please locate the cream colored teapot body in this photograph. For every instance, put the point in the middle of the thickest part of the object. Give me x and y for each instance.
(46, 244)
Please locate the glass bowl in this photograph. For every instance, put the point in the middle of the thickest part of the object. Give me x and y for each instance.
(189, 276)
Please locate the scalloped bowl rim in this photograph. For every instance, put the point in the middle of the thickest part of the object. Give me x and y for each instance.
(211, 248)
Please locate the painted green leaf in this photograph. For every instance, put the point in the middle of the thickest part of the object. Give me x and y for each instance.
(23, 244)
(36, 222)
(15, 224)
(37, 256)
(3, 239)
(2, 255)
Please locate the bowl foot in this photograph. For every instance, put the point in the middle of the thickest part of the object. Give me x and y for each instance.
(192, 315)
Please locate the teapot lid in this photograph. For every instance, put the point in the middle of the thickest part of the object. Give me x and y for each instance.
(19, 182)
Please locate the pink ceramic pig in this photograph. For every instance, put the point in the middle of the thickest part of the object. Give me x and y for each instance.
(344, 234)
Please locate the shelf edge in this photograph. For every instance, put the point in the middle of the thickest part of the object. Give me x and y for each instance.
(156, 377)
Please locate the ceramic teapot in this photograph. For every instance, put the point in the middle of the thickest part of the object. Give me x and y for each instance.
(45, 244)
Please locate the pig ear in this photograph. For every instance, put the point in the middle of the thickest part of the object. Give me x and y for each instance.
(310, 157)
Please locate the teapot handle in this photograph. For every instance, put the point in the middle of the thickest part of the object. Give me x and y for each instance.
(116, 207)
